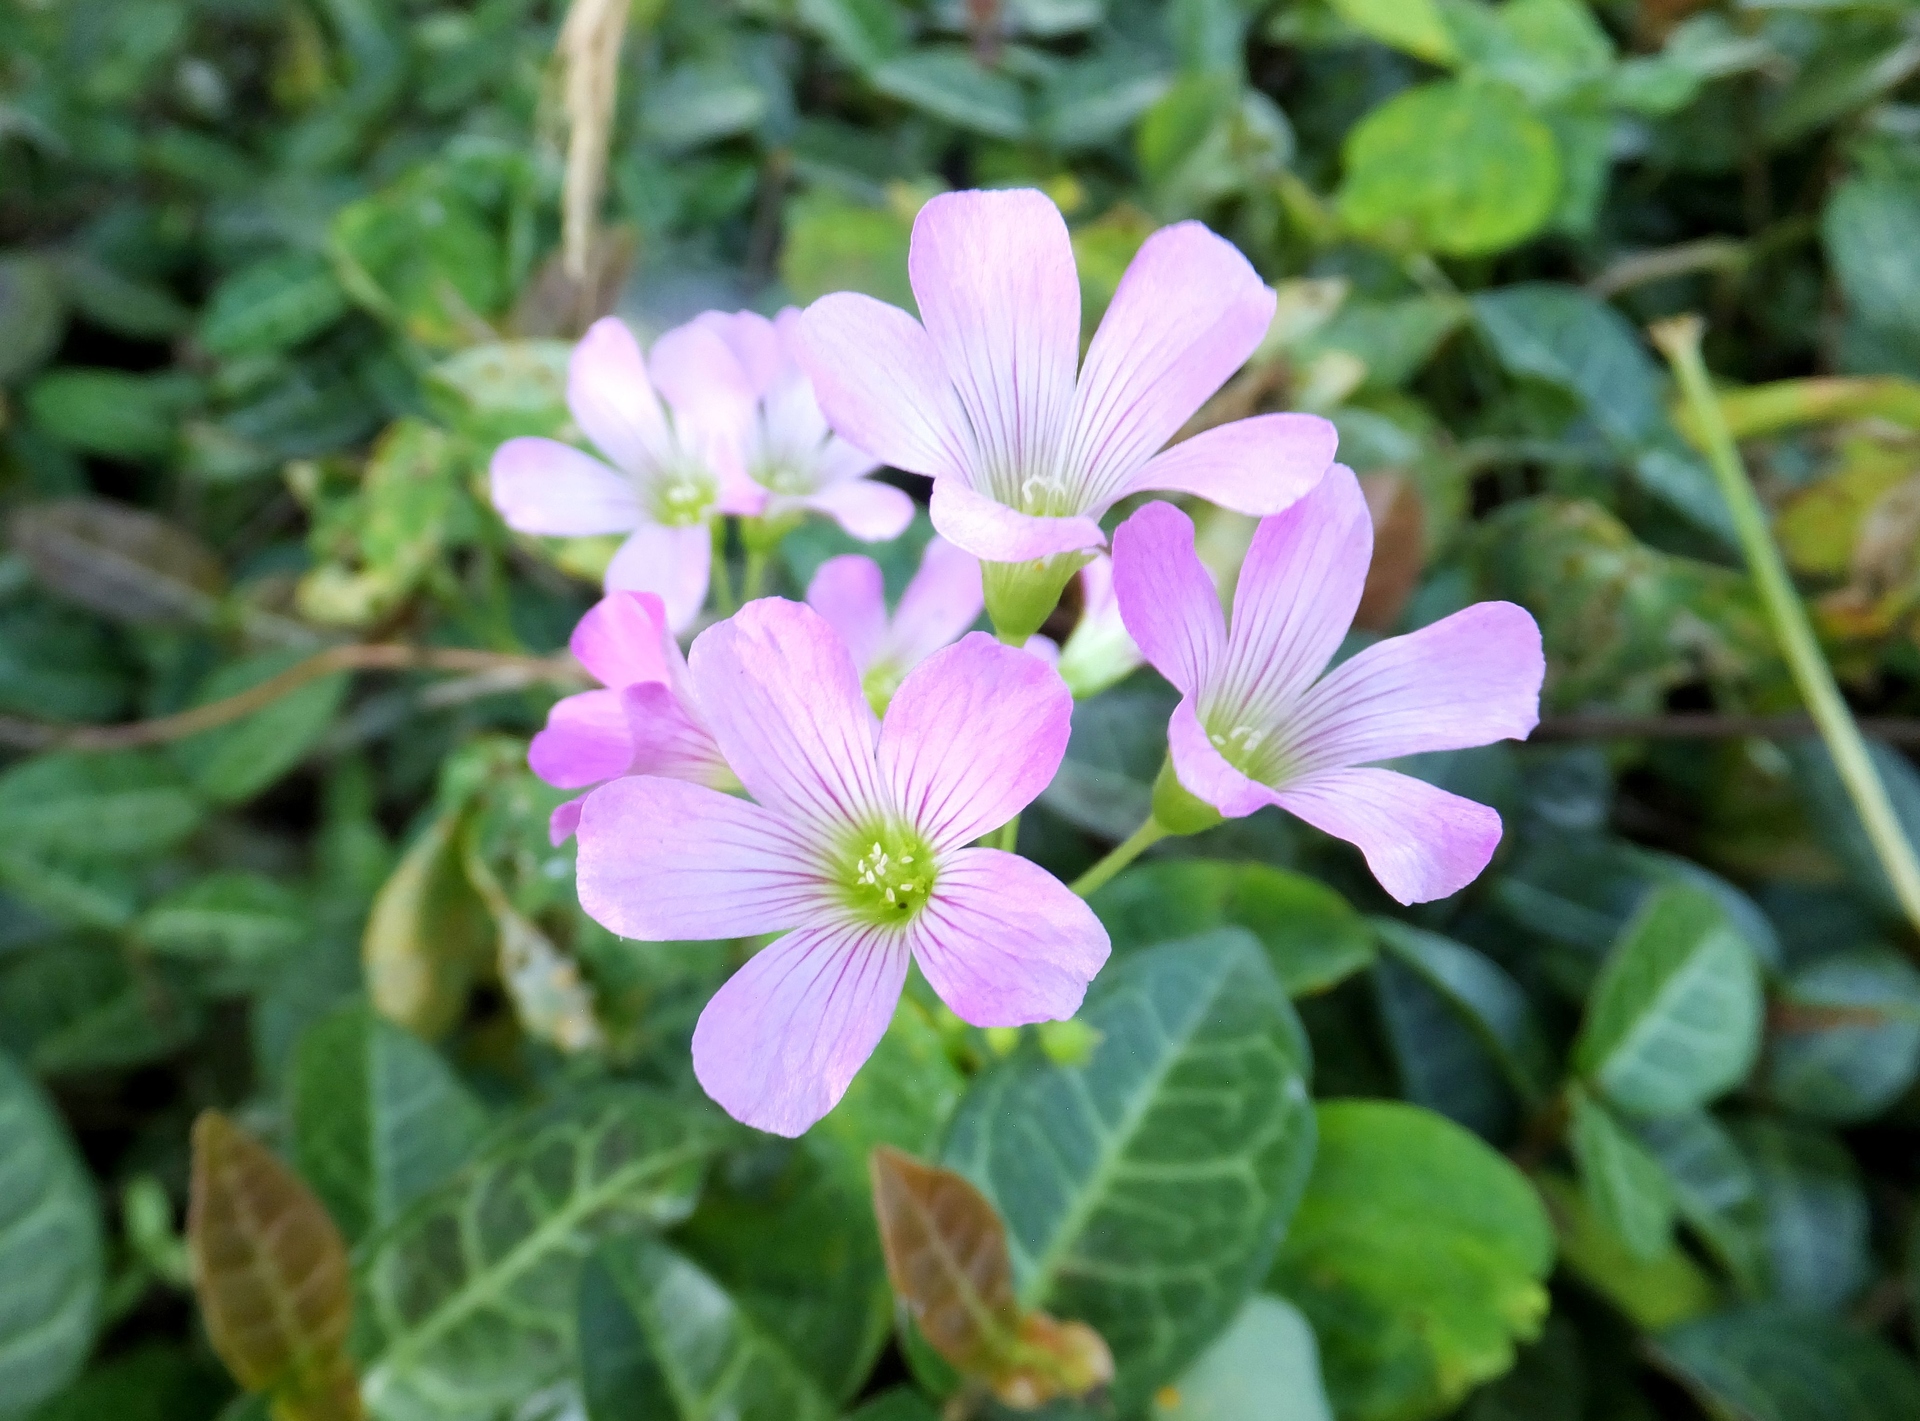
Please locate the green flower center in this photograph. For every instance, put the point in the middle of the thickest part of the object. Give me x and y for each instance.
(784, 477)
(682, 497)
(1257, 752)
(886, 874)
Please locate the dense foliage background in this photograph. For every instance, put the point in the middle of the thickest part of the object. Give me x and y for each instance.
(1626, 1130)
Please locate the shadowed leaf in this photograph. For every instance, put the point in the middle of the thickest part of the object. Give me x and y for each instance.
(119, 561)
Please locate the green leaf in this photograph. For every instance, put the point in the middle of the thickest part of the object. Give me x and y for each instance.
(1419, 1254)
(378, 1118)
(1623, 1182)
(1778, 1364)
(1847, 1040)
(1441, 1062)
(1192, 1035)
(1814, 1214)
(111, 412)
(1544, 48)
(1714, 1189)
(949, 84)
(1456, 167)
(57, 664)
(1264, 1367)
(1650, 1293)
(1417, 26)
(50, 1250)
(1394, 339)
(1485, 997)
(1105, 784)
(79, 1005)
(904, 1101)
(1871, 227)
(153, 1382)
(1312, 935)
(496, 391)
(469, 1296)
(836, 245)
(274, 304)
(235, 762)
(31, 315)
(1836, 821)
(119, 561)
(1674, 1020)
(661, 1339)
(230, 918)
(124, 805)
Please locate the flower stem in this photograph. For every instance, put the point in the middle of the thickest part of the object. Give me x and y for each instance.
(722, 571)
(1008, 835)
(756, 575)
(1679, 341)
(1096, 878)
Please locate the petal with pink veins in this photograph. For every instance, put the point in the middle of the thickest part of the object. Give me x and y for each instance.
(623, 639)
(1205, 773)
(672, 562)
(586, 740)
(944, 599)
(1257, 466)
(1421, 842)
(1167, 600)
(779, 1044)
(612, 399)
(668, 739)
(972, 736)
(1004, 942)
(872, 512)
(850, 592)
(666, 861)
(882, 387)
(546, 487)
(994, 532)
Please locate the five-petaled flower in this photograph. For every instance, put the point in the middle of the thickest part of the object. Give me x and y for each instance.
(644, 722)
(942, 601)
(1259, 724)
(856, 847)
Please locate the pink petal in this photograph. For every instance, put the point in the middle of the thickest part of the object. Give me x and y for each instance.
(782, 697)
(850, 593)
(666, 861)
(546, 487)
(944, 600)
(1421, 842)
(1205, 773)
(623, 638)
(612, 399)
(1468, 679)
(1188, 313)
(881, 385)
(1166, 599)
(754, 343)
(994, 275)
(1006, 943)
(673, 563)
(1257, 466)
(781, 1041)
(700, 378)
(972, 736)
(994, 532)
(669, 740)
(564, 820)
(1298, 589)
(839, 461)
(872, 512)
(586, 741)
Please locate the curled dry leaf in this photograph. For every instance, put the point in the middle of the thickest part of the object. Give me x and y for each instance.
(271, 1274)
(119, 561)
(946, 1251)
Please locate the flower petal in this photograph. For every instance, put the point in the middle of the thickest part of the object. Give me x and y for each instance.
(544, 486)
(623, 639)
(1468, 679)
(612, 399)
(1298, 589)
(1205, 773)
(972, 736)
(1257, 466)
(1421, 842)
(872, 512)
(781, 695)
(564, 820)
(701, 379)
(673, 563)
(1167, 600)
(944, 599)
(850, 593)
(1006, 943)
(1187, 314)
(586, 740)
(994, 532)
(666, 861)
(994, 275)
(754, 342)
(779, 1044)
(882, 387)
(668, 740)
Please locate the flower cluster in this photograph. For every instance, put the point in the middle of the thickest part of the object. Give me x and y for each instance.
(828, 771)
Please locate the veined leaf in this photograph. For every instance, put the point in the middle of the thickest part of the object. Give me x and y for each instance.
(1623, 1182)
(271, 1274)
(1778, 1364)
(1486, 998)
(50, 1254)
(1714, 1190)
(1192, 1112)
(471, 1295)
(1813, 1212)
(1846, 1042)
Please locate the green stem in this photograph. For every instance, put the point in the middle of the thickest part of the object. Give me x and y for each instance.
(1009, 835)
(1143, 838)
(1679, 340)
(722, 572)
(756, 576)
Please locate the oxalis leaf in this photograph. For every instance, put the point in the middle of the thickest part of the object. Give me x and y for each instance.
(1191, 1112)
(470, 1296)
(1780, 1364)
(271, 1274)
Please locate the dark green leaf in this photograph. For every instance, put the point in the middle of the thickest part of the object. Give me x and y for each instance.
(31, 318)
(236, 762)
(1776, 1364)
(121, 805)
(950, 85)
(1485, 997)
(111, 412)
(1847, 1040)
(1813, 1214)
(1442, 1063)
(1623, 1182)
(228, 918)
(272, 305)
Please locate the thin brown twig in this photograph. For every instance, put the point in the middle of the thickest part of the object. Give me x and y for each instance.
(20, 733)
(1602, 725)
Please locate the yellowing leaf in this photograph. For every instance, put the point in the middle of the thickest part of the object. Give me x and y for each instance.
(271, 1274)
(427, 936)
(1416, 26)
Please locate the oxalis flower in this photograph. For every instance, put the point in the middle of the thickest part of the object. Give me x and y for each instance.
(1027, 445)
(855, 847)
(667, 471)
(941, 602)
(1259, 724)
(643, 723)
(1098, 653)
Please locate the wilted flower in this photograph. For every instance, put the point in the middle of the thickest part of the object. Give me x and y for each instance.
(1026, 445)
(669, 471)
(941, 602)
(643, 723)
(856, 848)
(1258, 724)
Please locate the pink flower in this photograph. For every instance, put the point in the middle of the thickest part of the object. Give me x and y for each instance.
(1098, 651)
(643, 723)
(856, 847)
(941, 602)
(1259, 724)
(668, 471)
(1028, 446)
(798, 463)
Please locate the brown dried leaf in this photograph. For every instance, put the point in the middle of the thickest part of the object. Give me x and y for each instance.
(119, 561)
(271, 1274)
(1399, 550)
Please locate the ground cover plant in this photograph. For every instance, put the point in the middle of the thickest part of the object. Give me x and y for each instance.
(843, 709)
